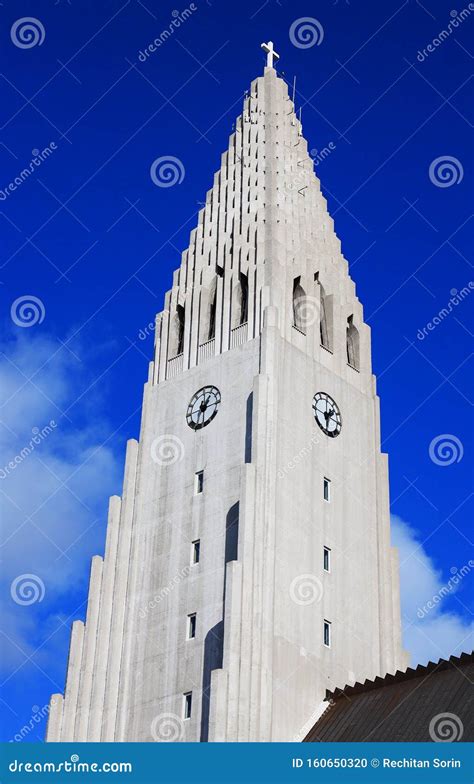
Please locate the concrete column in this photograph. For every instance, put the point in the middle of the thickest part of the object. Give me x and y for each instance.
(73, 679)
(55, 715)
(88, 658)
(120, 592)
(218, 708)
(231, 660)
(103, 636)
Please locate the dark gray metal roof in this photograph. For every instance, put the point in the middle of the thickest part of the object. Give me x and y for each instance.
(406, 706)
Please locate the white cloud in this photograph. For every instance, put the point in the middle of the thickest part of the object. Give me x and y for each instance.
(54, 499)
(430, 632)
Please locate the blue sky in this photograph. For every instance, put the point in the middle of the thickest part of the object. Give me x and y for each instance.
(95, 241)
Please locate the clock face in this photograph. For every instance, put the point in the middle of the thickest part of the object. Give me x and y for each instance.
(327, 414)
(203, 407)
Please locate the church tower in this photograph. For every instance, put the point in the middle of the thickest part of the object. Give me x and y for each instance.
(248, 565)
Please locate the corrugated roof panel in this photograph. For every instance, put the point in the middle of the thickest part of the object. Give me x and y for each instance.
(400, 707)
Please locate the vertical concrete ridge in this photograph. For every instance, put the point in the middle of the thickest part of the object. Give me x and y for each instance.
(231, 660)
(89, 651)
(246, 547)
(104, 621)
(129, 620)
(72, 683)
(218, 709)
(400, 657)
(55, 716)
(120, 592)
(266, 456)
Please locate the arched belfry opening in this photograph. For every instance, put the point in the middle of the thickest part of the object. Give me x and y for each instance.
(299, 306)
(240, 301)
(244, 303)
(212, 313)
(352, 344)
(176, 343)
(207, 321)
(325, 326)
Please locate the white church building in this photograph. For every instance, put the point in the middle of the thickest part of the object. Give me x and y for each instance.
(248, 565)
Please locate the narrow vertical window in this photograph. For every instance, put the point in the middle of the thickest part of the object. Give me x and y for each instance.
(327, 559)
(198, 482)
(187, 704)
(240, 296)
(327, 634)
(299, 306)
(195, 551)
(244, 308)
(212, 315)
(352, 344)
(323, 322)
(327, 489)
(180, 329)
(176, 332)
(325, 316)
(212, 309)
(191, 632)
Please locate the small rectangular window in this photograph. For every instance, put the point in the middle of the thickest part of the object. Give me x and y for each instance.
(327, 559)
(195, 551)
(327, 634)
(199, 482)
(191, 626)
(187, 704)
(327, 489)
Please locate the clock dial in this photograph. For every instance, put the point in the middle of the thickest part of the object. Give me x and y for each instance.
(327, 414)
(203, 407)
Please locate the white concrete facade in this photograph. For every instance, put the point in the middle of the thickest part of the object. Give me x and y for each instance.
(262, 308)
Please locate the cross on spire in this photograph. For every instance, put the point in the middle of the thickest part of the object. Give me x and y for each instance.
(272, 56)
